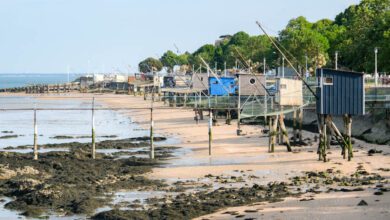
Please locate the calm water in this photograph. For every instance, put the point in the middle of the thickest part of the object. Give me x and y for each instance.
(66, 123)
(8, 80)
(73, 123)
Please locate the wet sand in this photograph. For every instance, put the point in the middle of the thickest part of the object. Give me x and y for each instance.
(249, 152)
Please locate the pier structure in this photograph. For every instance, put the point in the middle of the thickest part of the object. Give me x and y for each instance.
(52, 88)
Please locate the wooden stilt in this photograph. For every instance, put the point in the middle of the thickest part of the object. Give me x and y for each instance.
(349, 136)
(185, 100)
(295, 127)
(300, 124)
(274, 135)
(324, 140)
(35, 136)
(320, 131)
(269, 133)
(328, 134)
(228, 117)
(151, 135)
(93, 129)
(284, 133)
(210, 130)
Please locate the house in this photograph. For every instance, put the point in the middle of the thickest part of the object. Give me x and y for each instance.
(290, 92)
(250, 84)
(200, 81)
(340, 92)
(222, 86)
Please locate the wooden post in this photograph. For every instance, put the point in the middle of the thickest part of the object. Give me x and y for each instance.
(280, 133)
(239, 131)
(284, 133)
(210, 130)
(93, 129)
(295, 127)
(35, 136)
(324, 139)
(345, 134)
(151, 135)
(319, 124)
(269, 133)
(174, 100)
(300, 124)
(274, 132)
(228, 117)
(185, 100)
(348, 119)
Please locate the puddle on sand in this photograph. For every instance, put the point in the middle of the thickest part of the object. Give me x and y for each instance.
(184, 161)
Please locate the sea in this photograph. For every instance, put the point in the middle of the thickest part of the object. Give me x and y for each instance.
(12, 80)
(17, 126)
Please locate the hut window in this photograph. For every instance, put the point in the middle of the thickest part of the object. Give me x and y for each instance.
(252, 81)
(328, 81)
(283, 86)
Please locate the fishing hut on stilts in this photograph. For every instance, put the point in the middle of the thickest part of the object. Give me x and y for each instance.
(339, 93)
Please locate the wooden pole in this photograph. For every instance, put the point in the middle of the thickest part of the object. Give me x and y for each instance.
(300, 124)
(185, 100)
(270, 134)
(324, 139)
(239, 109)
(320, 131)
(349, 135)
(151, 135)
(274, 132)
(295, 127)
(210, 130)
(35, 136)
(284, 133)
(93, 129)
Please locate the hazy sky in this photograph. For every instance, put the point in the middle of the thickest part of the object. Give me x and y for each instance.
(45, 36)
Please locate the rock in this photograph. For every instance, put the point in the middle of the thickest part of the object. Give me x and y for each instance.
(362, 203)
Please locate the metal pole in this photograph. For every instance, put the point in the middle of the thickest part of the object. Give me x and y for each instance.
(35, 136)
(376, 66)
(210, 130)
(282, 67)
(336, 60)
(225, 68)
(93, 129)
(306, 64)
(151, 134)
(264, 65)
(239, 107)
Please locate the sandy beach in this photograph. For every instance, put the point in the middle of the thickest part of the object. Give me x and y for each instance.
(249, 152)
(246, 157)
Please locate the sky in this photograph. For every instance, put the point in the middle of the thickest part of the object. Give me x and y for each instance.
(52, 36)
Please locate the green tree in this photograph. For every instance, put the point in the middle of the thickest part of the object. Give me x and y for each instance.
(169, 59)
(367, 26)
(206, 52)
(150, 64)
(301, 39)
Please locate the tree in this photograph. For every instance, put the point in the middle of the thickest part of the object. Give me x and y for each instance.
(301, 39)
(169, 60)
(206, 52)
(367, 26)
(150, 64)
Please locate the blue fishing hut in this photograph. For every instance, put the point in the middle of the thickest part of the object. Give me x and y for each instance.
(222, 86)
(340, 92)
